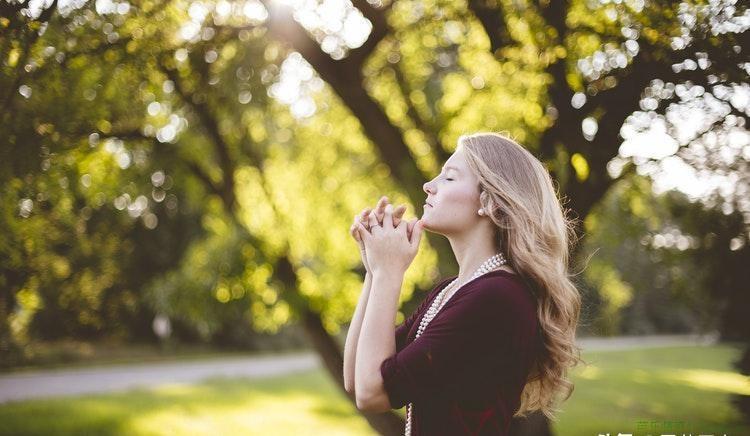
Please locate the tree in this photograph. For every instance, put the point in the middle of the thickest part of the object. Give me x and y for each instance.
(563, 77)
(589, 95)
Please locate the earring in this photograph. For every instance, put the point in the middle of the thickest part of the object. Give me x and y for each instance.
(481, 212)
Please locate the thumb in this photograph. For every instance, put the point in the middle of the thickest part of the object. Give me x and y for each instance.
(416, 234)
(355, 232)
(410, 227)
(364, 235)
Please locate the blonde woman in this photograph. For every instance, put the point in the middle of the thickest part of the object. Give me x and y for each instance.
(495, 341)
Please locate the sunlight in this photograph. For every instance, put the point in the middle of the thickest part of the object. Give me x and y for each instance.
(296, 86)
(590, 372)
(253, 412)
(335, 24)
(660, 145)
(723, 381)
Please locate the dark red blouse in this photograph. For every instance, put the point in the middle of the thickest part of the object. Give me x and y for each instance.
(465, 373)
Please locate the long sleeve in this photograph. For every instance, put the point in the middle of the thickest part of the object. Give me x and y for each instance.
(477, 325)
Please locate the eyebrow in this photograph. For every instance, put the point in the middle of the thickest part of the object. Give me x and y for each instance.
(450, 167)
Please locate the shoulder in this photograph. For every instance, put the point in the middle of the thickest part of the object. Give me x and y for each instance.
(498, 292)
(496, 288)
(498, 285)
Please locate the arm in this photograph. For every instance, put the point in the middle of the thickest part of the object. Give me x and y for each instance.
(376, 342)
(352, 336)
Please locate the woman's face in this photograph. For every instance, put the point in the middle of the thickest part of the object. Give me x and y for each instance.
(452, 198)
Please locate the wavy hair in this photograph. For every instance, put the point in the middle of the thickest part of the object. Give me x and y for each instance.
(536, 235)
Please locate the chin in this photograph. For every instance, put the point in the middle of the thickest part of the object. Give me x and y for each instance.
(426, 224)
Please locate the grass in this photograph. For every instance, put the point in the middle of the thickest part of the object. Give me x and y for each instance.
(668, 390)
(305, 403)
(635, 391)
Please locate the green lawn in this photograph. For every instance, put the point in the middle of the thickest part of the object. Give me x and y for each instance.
(643, 391)
(301, 404)
(656, 391)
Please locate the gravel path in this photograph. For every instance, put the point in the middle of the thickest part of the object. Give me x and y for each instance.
(63, 382)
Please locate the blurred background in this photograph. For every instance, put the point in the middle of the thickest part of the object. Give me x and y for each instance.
(178, 180)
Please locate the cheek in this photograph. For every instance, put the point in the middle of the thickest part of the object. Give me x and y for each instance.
(461, 198)
(462, 195)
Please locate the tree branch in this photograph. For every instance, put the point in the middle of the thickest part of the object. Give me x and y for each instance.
(429, 131)
(493, 21)
(211, 126)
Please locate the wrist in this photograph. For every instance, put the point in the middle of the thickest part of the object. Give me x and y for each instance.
(387, 275)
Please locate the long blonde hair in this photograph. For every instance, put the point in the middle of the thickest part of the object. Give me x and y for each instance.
(536, 235)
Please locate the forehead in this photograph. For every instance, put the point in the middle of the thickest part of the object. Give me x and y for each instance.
(454, 163)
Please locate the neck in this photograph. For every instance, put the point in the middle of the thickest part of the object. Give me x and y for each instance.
(471, 252)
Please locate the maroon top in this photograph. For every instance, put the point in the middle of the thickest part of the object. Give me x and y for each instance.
(465, 373)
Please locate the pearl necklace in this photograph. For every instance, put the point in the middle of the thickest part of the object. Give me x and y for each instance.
(490, 264)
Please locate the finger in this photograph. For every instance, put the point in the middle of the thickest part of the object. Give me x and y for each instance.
(381, 203)
(401, 228)
(372, 220)
(356, 218)
(355, 232)
(410, 228)
(398, 214)
(364, 217)
(363, 233)
(388, 218)
(380, 209)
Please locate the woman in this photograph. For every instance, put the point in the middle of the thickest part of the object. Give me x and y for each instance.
(495, 341)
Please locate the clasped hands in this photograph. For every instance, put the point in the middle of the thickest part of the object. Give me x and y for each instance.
(387, 244)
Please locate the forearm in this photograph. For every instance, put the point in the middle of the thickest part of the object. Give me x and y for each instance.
(352, 336)
(377, 337)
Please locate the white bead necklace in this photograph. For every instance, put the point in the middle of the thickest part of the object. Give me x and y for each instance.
(490, 264)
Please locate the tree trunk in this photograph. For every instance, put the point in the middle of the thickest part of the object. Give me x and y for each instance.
(389, 423)
(327, 347)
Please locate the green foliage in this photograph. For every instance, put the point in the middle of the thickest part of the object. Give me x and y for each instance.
(664, 264)
(147, 168)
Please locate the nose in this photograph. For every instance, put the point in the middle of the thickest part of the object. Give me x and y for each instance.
(427, 188)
